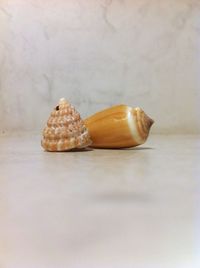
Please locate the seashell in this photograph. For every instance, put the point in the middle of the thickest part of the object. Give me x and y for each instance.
(119, 127)
(65, 130)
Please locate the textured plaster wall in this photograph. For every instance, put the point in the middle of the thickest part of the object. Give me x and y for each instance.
(99, 53)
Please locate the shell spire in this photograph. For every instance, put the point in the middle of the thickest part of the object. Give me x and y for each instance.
(143, 122)
(65, 130)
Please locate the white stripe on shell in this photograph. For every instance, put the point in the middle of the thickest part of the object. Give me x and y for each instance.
(133, 126)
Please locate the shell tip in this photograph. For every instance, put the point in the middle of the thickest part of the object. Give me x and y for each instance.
(62, 100)
(151, 122)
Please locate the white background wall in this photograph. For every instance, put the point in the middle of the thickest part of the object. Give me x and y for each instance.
(97, 53)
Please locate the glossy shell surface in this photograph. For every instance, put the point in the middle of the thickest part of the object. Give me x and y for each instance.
(120, 126)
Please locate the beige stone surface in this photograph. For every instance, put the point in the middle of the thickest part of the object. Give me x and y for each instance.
(136, 208)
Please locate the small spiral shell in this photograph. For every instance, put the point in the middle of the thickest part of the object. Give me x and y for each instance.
(65, 130)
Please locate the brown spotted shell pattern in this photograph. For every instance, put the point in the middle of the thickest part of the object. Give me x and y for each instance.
(65, 130)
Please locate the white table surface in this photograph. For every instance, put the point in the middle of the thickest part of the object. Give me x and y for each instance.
(136, 208)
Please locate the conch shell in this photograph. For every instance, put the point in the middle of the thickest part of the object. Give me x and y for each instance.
(119, 127)
(65, 129)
